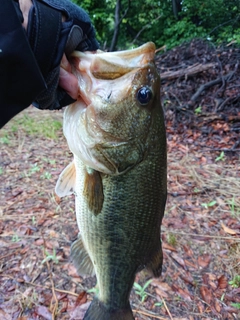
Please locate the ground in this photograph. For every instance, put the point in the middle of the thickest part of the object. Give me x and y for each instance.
(201, 227)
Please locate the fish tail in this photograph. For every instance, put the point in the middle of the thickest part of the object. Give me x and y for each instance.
(99, 311)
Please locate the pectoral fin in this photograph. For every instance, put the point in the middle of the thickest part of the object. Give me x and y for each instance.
(93, 190)
(66, 181)
(81, 259)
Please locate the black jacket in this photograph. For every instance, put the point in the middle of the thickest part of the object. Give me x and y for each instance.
(30, 63)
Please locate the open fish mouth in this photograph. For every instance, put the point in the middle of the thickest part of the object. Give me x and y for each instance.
(92, 67)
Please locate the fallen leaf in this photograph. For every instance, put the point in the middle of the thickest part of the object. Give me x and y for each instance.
(228, 230)
(179, 260)
(206, 294)
(168, 247)
(161, 293)
(222, 282)
(204, 260)
(43, 312)
(81, 299)
(161, 285)
(183, 293)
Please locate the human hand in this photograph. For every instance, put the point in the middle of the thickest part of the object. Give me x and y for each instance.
(52, 43)
(67, 80)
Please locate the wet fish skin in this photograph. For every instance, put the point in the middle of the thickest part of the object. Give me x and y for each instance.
(119, 180)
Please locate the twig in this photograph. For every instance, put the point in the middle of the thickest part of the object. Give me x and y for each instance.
(145, 27)
(39, 285)
(149, 314)
(10, 254)
(210, 84)
(190, 71)
(201, 235)
(54, 304)
(166, 307)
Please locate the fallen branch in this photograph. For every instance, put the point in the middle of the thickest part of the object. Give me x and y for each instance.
(210, 84)
(185, 72)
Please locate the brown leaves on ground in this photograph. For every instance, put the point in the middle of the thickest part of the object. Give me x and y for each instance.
(200, 230)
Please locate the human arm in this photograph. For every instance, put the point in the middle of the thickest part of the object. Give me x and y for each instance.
(30, 61)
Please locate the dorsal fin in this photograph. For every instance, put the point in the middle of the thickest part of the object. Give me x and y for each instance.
(66, 181)
(93, 190)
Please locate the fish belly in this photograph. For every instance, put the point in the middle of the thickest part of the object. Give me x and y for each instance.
(125, 236)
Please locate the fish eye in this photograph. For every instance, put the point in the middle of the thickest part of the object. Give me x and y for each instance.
(144, 95)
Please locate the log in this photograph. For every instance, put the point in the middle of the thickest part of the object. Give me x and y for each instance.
(185, 72)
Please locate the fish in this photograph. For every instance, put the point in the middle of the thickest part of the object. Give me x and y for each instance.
(116, 133)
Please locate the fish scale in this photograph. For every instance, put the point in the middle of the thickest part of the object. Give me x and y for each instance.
(119, 208)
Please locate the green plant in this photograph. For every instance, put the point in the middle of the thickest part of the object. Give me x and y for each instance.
(15, 238)
(33, 220)
(171, 239)
(94, 290)
(34, 168)
(198, 110)
(49, 256)
(45, 127)
(221, 157)
(5, 140)
(51, 161)
(235, 282)
(158, 304)
(141, 290)
(46, 175)
(236, 305)
(233, 207)
(209, 204)
(1, 170)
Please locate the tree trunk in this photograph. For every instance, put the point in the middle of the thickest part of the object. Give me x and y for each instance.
(177, 8)
(116, 26)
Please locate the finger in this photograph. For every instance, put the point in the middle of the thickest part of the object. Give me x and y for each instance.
(65, 63)
(69, 83)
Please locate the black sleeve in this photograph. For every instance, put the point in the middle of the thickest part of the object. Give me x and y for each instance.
(20, 78)
(30, 61)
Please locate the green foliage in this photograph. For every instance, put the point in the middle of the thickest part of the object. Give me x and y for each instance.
(235, 211)
(46, 127)
(221, 157)
(50, 257)
(209, 204)
(236, 305)
(139, 290)
(171, 239)
(235, 282)
(5, 140)
(153, 20)
(198, 110)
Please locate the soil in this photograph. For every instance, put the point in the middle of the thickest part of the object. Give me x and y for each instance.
(201, 227)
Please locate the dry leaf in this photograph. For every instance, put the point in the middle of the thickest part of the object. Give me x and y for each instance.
(222, 282)
(161, 293)
(43, 312)
(168, 247)
(81, 299)
(206, 294)
(204, 260)
(179, 260)
(228, 230)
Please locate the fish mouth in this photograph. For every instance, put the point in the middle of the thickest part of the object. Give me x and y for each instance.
(92, 67)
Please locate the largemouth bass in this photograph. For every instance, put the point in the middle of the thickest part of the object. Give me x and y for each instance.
(116, 133)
